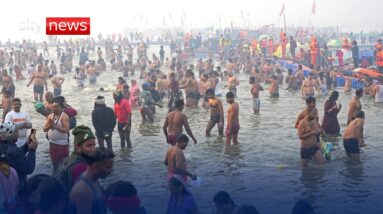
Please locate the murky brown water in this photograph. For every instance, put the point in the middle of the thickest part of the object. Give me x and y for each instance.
(264, 170)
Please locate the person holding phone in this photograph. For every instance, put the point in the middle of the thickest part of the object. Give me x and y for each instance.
(22, 121)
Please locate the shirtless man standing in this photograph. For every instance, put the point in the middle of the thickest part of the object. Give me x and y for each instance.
(310, 105)
(232, 127)
(353, 136)
(308, 86)
(39, 79)
(191, 90)
(174, 122)
(255, 94)
(57, 84)
(274, 87)
(348, 83)
(216, 116)
(8, 83)
(92, 73)
(308, 132)
(300, 76)
(354, 105)
(232, 83)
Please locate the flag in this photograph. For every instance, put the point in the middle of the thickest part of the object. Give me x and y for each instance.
(314, 9)
(282, 10)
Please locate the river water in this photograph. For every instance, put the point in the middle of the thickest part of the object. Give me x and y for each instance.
(264, 170)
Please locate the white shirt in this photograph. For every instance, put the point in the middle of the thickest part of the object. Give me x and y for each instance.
(19, 118)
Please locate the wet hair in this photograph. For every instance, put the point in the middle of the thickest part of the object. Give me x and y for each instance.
(334, 96)
(182, 138)
(360, 114)
(222, 197)
(16, 100)
(210, 91)
(302, 207)
(51, 192)
(99, 154)
(310, 99)
(230, 94)
(121, 188)
(179, 103)
(359, 92)
(247, 209)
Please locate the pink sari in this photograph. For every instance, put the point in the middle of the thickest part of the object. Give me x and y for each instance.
(135, 94)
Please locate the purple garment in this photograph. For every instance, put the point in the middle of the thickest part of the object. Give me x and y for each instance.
(187, 206)
(8, 186)
(330, 122)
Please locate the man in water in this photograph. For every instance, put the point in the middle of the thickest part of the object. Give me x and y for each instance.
(174, 122)
(354, 105)
(92, 73)
(308, 86)
(57, 83)
(300, 75)
(308, 132)
(8, 83)
(232, 83)
(274, 87)
(291, 81)
(232, 127)
(216, 116)
(39, 79)
(256, 87)
(353, 136)
(191, 90)
(310, 105)
(377, 91)
(175, 159)
(87, 195)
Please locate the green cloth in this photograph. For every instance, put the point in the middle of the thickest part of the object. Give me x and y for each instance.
(82, 133)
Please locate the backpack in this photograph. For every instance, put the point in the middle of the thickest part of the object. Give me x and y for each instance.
(64, 174)
(71, 112)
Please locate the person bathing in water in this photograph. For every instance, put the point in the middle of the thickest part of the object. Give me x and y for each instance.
(216, 116)
(232, 127)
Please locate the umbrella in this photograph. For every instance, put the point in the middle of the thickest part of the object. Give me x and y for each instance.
(263, 36)
(334, 43)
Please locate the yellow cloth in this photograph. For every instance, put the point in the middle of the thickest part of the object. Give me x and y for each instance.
(5, 169)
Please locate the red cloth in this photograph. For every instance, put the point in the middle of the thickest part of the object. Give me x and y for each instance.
(121, 110)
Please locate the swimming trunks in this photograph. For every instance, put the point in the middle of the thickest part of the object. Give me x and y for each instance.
(172, 139)
(308, 153)
(38, 89)
(232, 129)
(216, 117)
(351, 146)
(256, 103)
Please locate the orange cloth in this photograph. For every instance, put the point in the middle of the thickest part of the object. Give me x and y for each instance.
(283, 44)
(379, 58)
(313, 51)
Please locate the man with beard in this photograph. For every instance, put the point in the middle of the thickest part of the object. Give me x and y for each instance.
(76, 164)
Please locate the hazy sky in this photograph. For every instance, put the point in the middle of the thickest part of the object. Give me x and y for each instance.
(117, 15)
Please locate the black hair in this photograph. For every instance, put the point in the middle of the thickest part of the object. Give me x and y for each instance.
(210, 91)
(17, 100)
(334, 96)
(230, 94)
(360, 114)
(99, 154)
(310, 99)
(179, 103)
(223, 197)
(51, 192)
(182, 138)
(359, 92)
(121, 188)
(31, 185)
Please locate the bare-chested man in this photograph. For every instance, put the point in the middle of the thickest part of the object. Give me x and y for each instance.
(256, 87)
(216, 116)
(310, 105)
(232, 127)
(56, 84)
(300, 75)
(191, 90)
(291, 81)
(174, 122)
(39, 79)
(274, 87)
(8, 83)
(308, 132)
(354, 106)
(353, 136)
(230, 65)
(347, 83)
(308, 86)
(232, 83)
(92, 73)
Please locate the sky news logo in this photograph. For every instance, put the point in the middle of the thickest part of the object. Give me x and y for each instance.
(68, 26)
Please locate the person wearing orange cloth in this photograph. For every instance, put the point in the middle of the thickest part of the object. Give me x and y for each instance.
(254, 46)
(379, 60)
(283, 44)
(314, 51)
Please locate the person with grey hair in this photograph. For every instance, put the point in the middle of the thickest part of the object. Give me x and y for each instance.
(104, 121)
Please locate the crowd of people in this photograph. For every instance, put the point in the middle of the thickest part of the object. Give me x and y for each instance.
(74, 184)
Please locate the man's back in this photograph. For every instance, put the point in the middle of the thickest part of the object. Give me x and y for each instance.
(175, 122)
